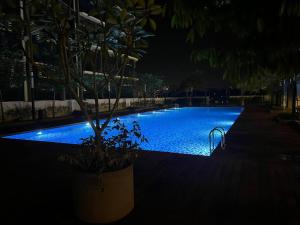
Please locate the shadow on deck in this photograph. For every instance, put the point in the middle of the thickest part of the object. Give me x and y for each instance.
(248, 183)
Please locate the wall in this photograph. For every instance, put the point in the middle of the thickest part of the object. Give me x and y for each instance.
(287, 97)
(298, 95)
(252, 99)
(20, 110)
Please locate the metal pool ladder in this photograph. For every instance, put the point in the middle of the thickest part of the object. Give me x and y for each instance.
(211, 138)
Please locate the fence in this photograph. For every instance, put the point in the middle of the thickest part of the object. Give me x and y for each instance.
(20, 110)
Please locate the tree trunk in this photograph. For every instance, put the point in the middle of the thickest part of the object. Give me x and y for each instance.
(53, 103)
(294, 95)
(1, 106)
(243, 98)
(67, 77)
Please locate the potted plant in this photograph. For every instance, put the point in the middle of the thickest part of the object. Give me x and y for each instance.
(103, 189)
(92, 51)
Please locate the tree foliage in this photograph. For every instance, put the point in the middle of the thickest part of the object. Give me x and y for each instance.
(61, 42)
(255, 42)
(150, 85)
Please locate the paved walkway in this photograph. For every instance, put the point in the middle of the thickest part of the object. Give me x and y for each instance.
(254, 181)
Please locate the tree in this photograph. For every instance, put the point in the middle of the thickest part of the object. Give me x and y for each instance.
(253, 42)
(189, 85)
(150, 85)
(105, 44)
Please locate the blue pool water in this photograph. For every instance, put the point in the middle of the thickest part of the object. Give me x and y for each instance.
(179, 130)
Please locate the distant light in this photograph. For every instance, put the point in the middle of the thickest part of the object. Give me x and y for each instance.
(234, 113)
(142, 115)
(40, 132)
(87, 124)
(227, 123)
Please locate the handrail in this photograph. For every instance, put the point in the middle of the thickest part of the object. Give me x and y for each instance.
(211, 138)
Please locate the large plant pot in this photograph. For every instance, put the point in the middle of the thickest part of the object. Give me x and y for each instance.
(106, 198)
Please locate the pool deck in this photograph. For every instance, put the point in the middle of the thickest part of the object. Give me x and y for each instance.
(255, 180)
(20, 126)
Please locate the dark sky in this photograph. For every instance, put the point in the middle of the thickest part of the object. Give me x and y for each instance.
(168, 54)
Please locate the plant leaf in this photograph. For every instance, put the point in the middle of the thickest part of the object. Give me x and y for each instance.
(152, 24)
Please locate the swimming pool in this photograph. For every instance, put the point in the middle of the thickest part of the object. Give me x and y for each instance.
(178, 130)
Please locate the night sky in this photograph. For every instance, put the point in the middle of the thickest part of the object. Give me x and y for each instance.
(168, 54)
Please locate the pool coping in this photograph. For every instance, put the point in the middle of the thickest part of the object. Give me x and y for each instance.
(70, 148)
(64, 121)
(78, 122)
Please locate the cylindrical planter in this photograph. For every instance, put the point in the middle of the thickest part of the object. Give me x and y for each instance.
(106, 198)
